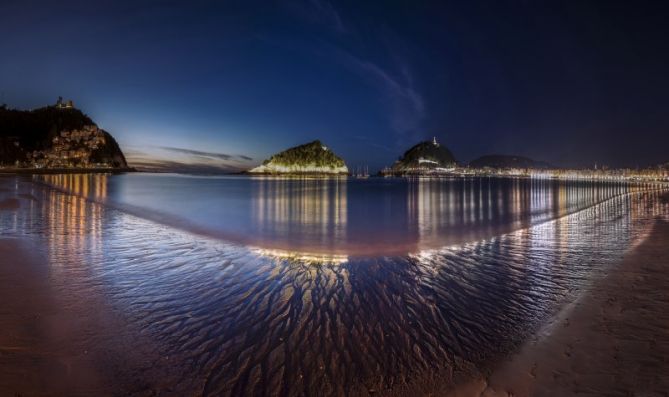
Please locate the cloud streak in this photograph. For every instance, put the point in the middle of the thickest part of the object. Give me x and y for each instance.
(180, 167)
(406, 104)
(212, 155)
(393, 79)
(319, 12)
(174, 159)
(326, 11)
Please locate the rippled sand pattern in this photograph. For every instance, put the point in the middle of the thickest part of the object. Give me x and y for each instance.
(235, 322)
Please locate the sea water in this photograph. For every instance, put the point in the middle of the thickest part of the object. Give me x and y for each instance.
(328, 286)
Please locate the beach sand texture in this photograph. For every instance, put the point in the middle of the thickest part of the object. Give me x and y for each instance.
(57, 338)
(612, 341)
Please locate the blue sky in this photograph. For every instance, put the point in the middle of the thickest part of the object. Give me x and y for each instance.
(223, 85)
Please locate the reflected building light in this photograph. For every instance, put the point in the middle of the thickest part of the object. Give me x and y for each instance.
(489, 201)
(427, 206)
(74, 222)
(301, 211)
(302, 257)
(472, 203)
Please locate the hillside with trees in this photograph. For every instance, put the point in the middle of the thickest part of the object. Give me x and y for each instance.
(312, 157)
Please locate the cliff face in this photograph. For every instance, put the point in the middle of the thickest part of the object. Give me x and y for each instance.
(428, 156)
(310, 158)
(55, 137)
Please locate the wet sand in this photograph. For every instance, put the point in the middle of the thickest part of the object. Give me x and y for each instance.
(612, 341)
(51, 346)
(166, 313)
(37, 354)
(55, 343)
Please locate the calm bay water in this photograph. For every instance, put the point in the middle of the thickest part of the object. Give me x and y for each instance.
(342, 216)
(417, 282)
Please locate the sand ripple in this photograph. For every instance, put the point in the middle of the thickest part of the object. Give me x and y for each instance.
(238, 323)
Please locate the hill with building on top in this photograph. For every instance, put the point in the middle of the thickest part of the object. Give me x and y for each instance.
(425, 157)
(55, 137)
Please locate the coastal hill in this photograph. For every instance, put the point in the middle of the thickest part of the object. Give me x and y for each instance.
(55, 137)
(310, 158)
(504, 161)
(425, 157)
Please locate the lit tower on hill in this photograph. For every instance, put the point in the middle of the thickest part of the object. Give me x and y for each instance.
(62, 105)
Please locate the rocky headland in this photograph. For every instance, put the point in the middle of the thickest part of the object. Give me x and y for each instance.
(55, 138)
(312, 158)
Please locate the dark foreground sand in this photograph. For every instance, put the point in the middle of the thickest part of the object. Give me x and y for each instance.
(39, 352)
(58, 342)
(613, 341)
(56, 346)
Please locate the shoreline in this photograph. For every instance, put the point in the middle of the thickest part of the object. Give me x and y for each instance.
(319, 175)
(55, 343)
(332, 254)
(612, 340)
(91, 348)
(57, 339)
(49, 171)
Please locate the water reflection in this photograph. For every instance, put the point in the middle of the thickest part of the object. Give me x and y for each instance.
(295, 208)
(443, 212)
(239, 321)
(73, 226)
(343, 217)
(91, 186)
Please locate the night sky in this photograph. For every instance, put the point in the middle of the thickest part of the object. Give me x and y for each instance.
(188, 85)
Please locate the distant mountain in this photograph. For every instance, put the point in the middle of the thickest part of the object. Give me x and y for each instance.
(58, 136)
(310, 158)
(425, 157)
(504, 161)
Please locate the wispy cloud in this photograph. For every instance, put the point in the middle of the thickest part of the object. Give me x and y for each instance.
(389, 73)
(318, 12)
(326, 11)
(179, 167)
(373, 142)
(213, 155)
(406, 104)
(174, 159)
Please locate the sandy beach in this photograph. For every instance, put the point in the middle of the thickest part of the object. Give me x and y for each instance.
(43, 347)
(58, 341)
(334, 198)
(147, 322)
(612, 341)
(55, 344)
